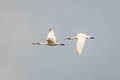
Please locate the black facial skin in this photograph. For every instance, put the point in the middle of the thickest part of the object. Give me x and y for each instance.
(92, 37)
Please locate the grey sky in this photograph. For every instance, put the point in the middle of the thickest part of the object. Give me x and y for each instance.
(25, 21)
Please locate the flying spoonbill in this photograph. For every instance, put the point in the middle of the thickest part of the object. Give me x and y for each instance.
(51, 39)
(81, 39)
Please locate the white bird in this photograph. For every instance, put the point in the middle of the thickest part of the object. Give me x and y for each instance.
(51, 39)
(81, 39)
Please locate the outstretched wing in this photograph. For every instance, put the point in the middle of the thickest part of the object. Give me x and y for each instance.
(51, 36)
(80, 45)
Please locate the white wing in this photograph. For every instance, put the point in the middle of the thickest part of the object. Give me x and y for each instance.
(80, 45)
(51, 37)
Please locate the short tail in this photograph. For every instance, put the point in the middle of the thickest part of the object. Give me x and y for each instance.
(36, 43)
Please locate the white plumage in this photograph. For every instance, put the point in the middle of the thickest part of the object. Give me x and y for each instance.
(51, 39)
(51, 36)
(81, 39)
(80, 45)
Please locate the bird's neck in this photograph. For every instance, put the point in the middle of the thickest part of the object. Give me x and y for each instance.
(41, 43)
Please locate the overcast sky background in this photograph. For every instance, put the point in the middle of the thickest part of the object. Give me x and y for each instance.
(25, 21)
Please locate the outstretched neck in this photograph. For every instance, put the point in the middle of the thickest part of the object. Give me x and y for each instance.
(41, 43)
(72, 38)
